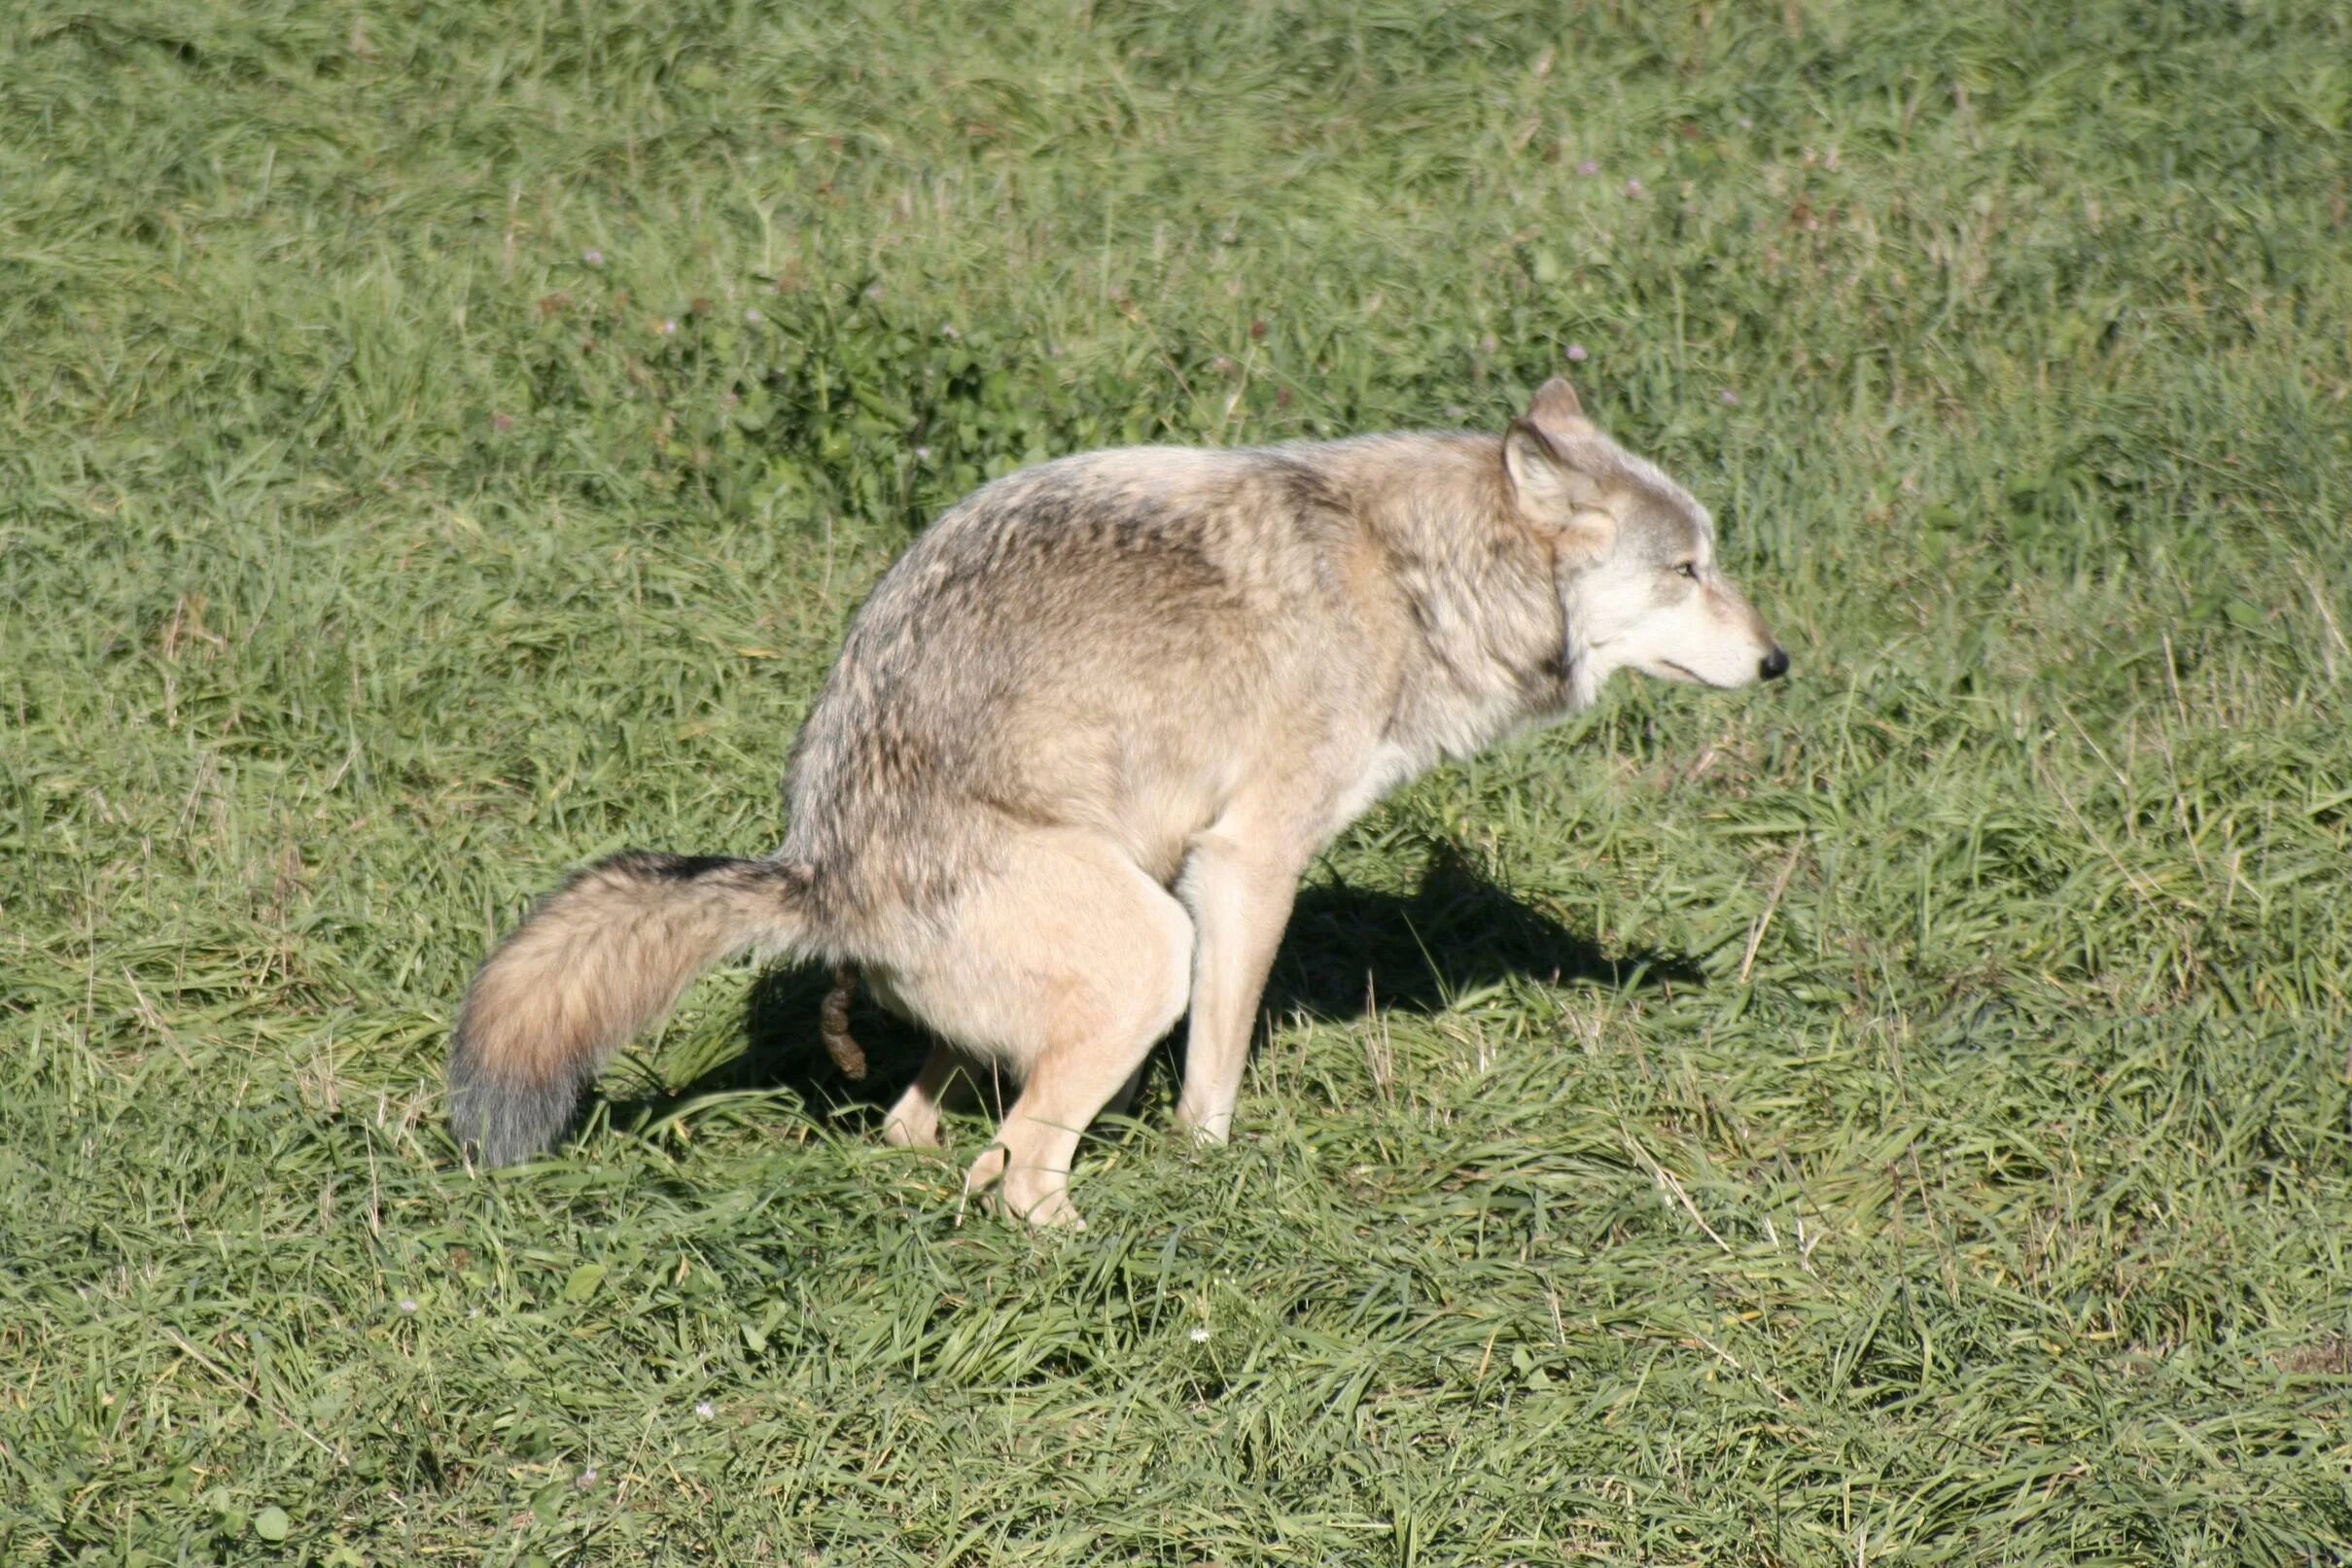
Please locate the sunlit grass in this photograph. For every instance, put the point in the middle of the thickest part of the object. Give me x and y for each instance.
(1896, 1116)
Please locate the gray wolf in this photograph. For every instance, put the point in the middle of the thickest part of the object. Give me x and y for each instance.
(1085, 736)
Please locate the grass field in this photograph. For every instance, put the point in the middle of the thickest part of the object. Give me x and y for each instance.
(1896, 1117)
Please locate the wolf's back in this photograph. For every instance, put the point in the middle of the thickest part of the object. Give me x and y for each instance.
(600, 959)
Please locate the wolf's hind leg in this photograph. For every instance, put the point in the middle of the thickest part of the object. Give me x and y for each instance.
(913, 1122)
(1067, 966)
(1124, 952)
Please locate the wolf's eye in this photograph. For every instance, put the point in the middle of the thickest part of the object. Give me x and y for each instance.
(1688, 568)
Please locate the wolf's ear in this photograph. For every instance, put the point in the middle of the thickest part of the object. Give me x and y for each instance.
(1548, 487)
(1554, 405)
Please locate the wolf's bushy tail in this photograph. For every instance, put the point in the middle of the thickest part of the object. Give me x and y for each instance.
(601, 958)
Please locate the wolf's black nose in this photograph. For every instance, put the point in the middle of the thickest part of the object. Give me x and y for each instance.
(1776, 664)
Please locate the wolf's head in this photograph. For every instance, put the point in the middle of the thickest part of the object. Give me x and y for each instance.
(1633, 555)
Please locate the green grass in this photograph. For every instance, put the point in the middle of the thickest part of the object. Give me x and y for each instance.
(1897, 1116)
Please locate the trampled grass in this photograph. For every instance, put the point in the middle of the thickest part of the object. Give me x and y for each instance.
(1897, 1116)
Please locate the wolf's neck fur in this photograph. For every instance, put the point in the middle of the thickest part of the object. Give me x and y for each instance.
(1496, 645)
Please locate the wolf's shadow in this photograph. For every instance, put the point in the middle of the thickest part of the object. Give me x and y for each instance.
(1347, 952)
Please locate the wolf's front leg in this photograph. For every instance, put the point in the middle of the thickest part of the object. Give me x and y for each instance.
(1240, 891)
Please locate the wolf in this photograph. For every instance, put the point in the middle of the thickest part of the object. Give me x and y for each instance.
(1083, 739)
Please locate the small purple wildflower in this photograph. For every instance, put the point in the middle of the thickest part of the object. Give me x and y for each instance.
(502, 423)
(753, 317)
(1731, 399)
(593, 256)
(1633, 188)
(1578, 354)
(408, 1303)
(669, 326)
(706, 1410)
(922, 454)
(1589, 167)
(588, 1476)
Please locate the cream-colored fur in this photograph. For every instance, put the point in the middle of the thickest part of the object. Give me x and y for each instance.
(1087, 733)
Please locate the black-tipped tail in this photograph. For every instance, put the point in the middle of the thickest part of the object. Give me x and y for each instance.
(600, 959)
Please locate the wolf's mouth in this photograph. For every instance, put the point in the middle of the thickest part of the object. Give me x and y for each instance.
(1686, 671)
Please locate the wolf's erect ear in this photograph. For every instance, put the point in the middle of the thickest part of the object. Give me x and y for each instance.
(1554, 405)
(1548, 487)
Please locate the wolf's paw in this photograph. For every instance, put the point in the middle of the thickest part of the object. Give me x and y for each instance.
(912, 1129)
(1208, 1130)
(1051, 1208)
(1027, 1193)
